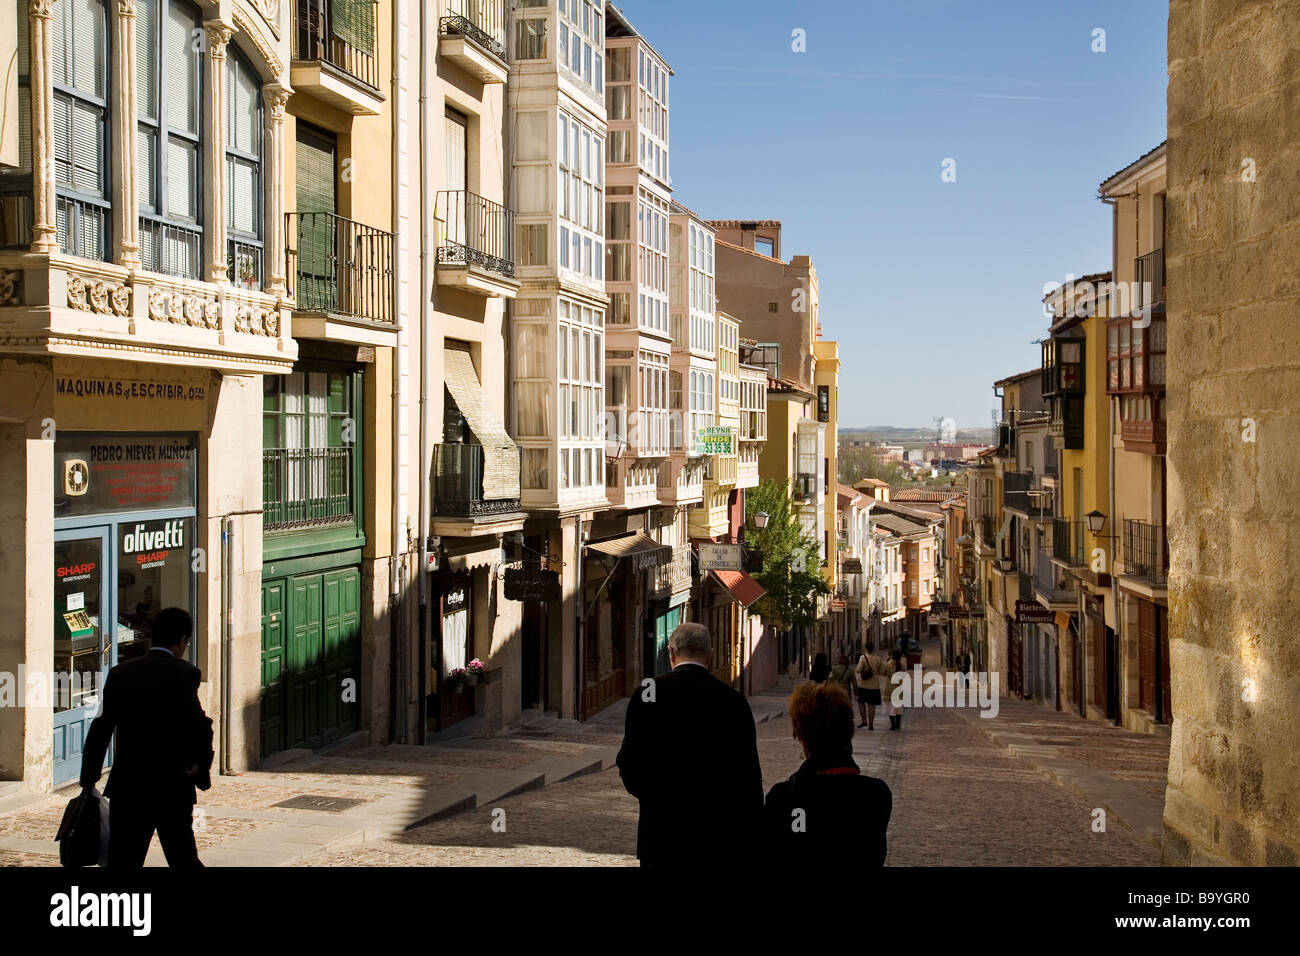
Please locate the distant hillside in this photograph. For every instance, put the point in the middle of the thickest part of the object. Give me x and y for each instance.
(898, 433)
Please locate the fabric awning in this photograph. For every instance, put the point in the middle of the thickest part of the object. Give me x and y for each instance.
(500, 454)
(642, 550)
(744, 589)
(473, 553)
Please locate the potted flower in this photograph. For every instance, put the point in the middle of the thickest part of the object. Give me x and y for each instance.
(474, 672)
(457, 676)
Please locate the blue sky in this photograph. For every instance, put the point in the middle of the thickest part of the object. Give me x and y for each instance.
(932, 289)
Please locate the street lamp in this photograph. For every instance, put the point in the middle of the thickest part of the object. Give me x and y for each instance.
(760, 519)
(1096, 521)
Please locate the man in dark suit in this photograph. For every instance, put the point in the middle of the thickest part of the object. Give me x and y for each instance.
(689, 756)
(163, 748)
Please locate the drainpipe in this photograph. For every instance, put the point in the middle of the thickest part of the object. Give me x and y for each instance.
(227, 629)
(400, 426)
(1111, 403)
(426, 286)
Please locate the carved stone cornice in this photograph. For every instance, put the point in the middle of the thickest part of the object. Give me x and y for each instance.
(254, 34)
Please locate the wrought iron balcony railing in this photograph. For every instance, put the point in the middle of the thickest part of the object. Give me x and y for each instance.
(458, 483)
(244, 263)
(1048, 579)
(476, 232)
(83, 226)
(482, 21)
(340, 33)
(340, 267)
(1146, 552)
(1149, 279)
(171, 248)
(1067, 541)
(307, 487)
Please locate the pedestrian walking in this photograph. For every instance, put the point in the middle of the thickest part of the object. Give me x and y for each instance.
(842, 675)
(866, 679)
(963, 667)
(892, 667)
(690, 757)
(821, 669)
(828, 803)
(162, 750)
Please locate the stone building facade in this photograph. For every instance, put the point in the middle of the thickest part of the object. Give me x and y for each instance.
(1233, 374)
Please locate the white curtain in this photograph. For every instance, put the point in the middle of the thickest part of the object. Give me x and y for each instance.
(455, 638)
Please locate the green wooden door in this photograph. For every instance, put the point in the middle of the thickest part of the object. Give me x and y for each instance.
(273, 624)
(306, 650)
(340, 663)
(311, 659)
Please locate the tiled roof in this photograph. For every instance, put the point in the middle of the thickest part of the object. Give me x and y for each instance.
(898, 524)
(737, 223)
(925, 494)
(1137, 162)
(748, 252)
(1017, 377)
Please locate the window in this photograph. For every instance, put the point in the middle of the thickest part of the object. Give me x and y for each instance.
(530, 39)
(765, 247)
(309, 470)
(532, 245)
(243, 122)
(79, 150)
(169, 150)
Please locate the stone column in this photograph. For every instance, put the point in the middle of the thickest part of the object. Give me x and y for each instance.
(126, 230)
(214, 150)
(40, 17)
(274, 99)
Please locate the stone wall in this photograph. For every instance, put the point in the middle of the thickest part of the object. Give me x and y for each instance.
(1234, 430)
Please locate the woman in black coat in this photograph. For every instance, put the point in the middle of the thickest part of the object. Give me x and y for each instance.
(828, 802)
(821, 669)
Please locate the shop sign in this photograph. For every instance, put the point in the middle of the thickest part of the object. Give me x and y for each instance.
(532, 584)
(939, 610)
(456, 598)
(714, 440)
(720, 557)
(837, 605)
(1031, 612)
(99, 473)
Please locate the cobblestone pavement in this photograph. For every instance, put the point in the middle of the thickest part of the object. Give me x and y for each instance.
(958, 800)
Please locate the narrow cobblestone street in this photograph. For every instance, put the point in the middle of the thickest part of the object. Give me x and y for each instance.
(968, 791)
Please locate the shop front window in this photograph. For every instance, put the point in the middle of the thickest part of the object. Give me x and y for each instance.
(154, 571)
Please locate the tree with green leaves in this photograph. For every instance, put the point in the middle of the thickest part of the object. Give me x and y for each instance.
(792, 594)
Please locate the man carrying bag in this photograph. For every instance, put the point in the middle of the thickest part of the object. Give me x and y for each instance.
(163, 748)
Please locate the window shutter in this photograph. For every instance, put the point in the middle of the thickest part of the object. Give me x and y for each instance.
(182, 163)
(182, 71)
(62, 140)
(87, 46)
(315, 175)
(146, 178)
(87, 151)
(146, 59)
(354, 23)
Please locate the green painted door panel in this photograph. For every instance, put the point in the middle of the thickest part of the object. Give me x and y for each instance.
(272, 705)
